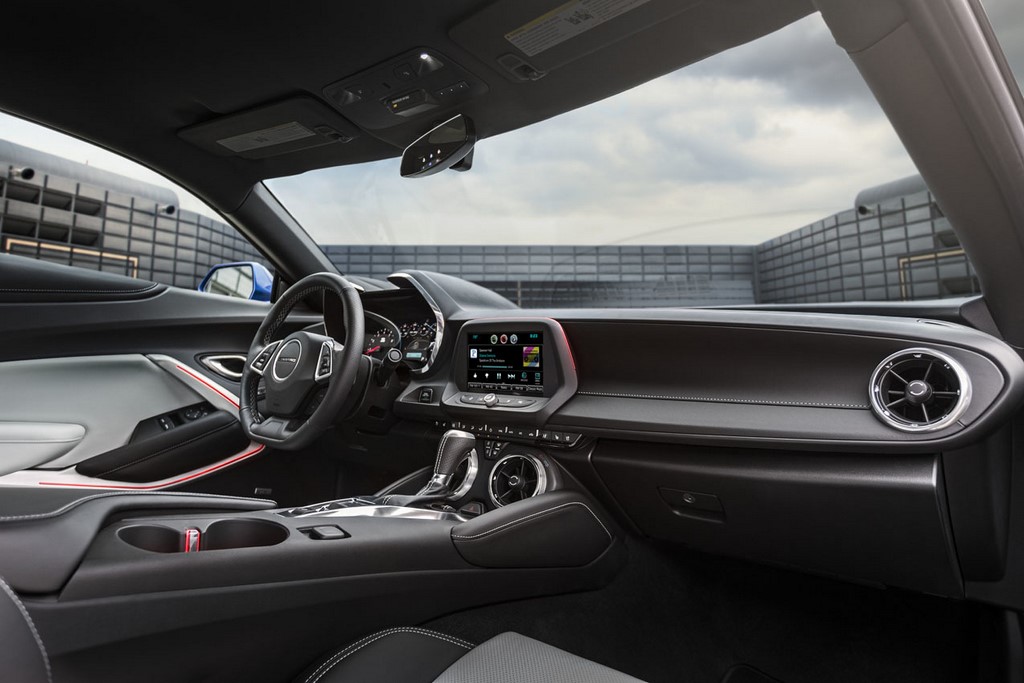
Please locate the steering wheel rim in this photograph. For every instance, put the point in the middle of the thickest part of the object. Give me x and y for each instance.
(287, 377)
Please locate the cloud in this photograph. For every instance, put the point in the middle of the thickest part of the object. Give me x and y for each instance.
(737, 149)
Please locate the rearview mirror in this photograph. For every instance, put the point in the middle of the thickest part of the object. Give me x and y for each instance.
(245, 280)
(440, 149)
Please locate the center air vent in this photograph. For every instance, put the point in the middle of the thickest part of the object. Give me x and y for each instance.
(517, 477)
(919, 390)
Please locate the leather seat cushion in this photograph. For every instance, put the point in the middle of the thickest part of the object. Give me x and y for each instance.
(397, 655)
(414, 655)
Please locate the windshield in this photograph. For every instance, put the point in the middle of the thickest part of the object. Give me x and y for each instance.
(766, 174)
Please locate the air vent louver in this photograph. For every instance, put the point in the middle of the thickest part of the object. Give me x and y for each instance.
(516, 477)
(919, 390)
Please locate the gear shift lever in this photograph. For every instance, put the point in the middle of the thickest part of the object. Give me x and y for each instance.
(454, 447)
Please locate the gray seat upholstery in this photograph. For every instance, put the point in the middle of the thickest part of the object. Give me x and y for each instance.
(412, 655)
(397, 655)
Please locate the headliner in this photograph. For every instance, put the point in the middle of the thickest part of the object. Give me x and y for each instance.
(129, 75)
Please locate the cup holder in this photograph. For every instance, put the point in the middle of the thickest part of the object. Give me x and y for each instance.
(225, 534)
(156, 539)
(242, 533)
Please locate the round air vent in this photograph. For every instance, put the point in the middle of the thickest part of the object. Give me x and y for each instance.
(464, 476)
(919, 390)
(517, 477)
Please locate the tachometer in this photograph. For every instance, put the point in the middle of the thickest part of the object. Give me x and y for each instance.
(379, 341)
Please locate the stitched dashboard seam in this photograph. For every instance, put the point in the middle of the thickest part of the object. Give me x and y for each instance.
(711, 399)
(78, 291)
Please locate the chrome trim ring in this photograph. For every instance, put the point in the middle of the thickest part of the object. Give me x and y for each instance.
(471, 471)
(277, 357)
(542, 476)
(878, 406)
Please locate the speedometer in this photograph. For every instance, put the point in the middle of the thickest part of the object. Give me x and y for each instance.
(379, 341)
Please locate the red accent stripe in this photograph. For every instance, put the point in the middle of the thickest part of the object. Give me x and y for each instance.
(238, 458)
(200, 473)
(202, 380)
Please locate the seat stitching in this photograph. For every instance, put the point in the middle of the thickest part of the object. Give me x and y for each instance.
(527, 518)
(345, 652)
(440, 450)
(31, 625)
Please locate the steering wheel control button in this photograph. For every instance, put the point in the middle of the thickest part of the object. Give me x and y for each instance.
(490, 400)
(325, 532)
(325, 365)
(260, 363)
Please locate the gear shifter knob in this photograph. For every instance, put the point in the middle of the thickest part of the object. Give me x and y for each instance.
(454, 447)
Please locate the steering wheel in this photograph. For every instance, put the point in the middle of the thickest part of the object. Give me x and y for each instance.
(302, 372)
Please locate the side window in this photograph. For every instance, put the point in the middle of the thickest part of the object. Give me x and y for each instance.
(69, 202)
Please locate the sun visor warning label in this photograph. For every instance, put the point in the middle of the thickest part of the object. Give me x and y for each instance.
(565, 22)
(268, 137)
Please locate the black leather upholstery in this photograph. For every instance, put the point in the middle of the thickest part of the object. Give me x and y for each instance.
(414, 655)
(559, 529)
(187, 447)
(22, 655)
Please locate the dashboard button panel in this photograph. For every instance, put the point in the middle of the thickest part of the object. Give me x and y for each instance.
(515, 433)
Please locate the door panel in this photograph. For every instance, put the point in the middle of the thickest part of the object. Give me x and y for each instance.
(106, 395)
(81, 373)
(30, 444)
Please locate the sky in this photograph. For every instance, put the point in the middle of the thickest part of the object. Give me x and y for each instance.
(736, 149)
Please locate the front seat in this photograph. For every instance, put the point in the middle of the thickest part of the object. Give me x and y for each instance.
(397, 655)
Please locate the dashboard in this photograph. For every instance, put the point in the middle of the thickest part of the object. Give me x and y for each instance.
(874, 447)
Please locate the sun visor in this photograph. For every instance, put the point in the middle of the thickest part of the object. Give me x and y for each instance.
(291, 125)
(525, 39)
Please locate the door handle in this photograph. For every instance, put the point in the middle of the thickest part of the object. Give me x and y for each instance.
(227, 365)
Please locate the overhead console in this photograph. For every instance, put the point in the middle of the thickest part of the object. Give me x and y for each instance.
(419, 81)
(511, 369)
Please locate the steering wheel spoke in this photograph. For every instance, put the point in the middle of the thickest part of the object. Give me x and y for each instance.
(308, 377)
(261, 358)
(274, 428)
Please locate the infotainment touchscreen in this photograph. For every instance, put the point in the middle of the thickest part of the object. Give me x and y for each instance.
(507, 361)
